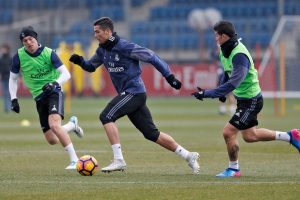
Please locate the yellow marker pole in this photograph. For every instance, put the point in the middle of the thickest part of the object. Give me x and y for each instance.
(282, 77)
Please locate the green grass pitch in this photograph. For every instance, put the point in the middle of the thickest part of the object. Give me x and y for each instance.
(32, 169)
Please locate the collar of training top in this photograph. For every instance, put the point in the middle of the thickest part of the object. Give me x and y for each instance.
(111, 42)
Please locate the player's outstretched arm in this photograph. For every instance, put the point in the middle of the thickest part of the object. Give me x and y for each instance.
(77, 59)
(13, 88)
(86, 65)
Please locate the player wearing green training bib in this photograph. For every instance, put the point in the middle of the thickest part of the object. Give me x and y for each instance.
(43, 73)
(37, 71)
(240, 77)
(249, 87)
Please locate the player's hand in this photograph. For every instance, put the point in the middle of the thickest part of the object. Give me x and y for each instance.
(222, 99)
(76, 59)
(199, 94)
(15, 105)
(51, 87)
(175, 83)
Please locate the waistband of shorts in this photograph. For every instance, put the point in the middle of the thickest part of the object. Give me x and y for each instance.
(259, 96)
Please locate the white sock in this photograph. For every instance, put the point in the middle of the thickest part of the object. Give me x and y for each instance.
(71, 151)
(282, 136)
(70, 126)
(182, 152)
(234, 164)
(117, 151)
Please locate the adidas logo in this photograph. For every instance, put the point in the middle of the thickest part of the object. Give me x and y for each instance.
(53, 109)
(237, 122)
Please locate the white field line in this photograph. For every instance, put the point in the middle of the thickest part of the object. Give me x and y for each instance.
(152, 182)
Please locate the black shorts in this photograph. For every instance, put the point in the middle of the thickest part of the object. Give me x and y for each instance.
(52, 104)
(246, 112)
(134, 106)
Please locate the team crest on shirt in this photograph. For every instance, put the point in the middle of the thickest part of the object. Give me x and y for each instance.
(117, 58)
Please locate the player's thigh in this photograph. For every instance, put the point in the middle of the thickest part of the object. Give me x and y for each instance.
(122, 105)
(54, 120)
(52, 104)
(249, 135)
(142, 120)
(56, 104)
(42, 109)
(246, 113)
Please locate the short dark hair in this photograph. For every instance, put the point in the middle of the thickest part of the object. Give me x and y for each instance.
(225, 27)
(105, 23)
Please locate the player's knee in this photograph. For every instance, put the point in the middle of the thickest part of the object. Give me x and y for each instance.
(105, 119)
(152, 135)
(226, 133)
(250, 138)
(55, 127)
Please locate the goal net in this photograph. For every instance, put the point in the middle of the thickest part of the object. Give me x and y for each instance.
(279, 72)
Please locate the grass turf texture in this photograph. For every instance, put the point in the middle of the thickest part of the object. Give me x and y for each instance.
(32, 169)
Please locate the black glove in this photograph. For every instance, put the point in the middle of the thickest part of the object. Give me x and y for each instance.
(199, 95)
(51, 87)
(175, 83)
(222, 99)
(15, 105)
(76, 59)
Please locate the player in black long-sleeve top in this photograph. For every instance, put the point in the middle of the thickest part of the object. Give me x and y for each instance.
(121, 59)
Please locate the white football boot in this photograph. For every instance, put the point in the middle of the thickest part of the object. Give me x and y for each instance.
(78, 130)
(192, 160)
(72, 165)
(116, 165)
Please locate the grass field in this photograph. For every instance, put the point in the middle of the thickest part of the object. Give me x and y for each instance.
(32, 169)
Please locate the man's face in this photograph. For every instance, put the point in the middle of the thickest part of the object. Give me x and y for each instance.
(102, 35)
(30, 44)
(221, 38)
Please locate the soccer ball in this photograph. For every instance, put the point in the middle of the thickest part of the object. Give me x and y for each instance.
(87, 165)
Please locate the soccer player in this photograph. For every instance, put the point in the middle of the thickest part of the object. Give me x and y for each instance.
(121, 59)
(5, 62)
(241, 78)
(43, 73)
